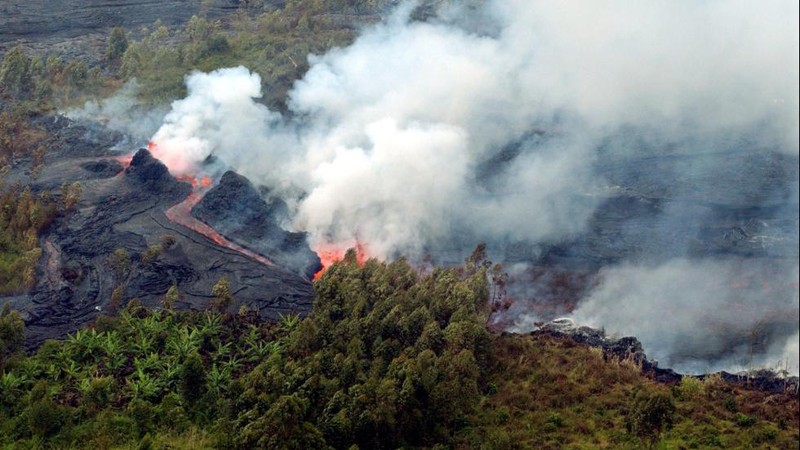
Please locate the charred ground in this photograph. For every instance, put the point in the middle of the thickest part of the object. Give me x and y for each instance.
(119, 238)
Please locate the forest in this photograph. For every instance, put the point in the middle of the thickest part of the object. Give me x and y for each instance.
(388, 358)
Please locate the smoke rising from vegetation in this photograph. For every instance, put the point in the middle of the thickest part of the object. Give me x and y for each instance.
(512, 121)
(702, 315)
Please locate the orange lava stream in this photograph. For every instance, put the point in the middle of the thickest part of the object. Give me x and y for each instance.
(125, 160)
(331, 253)
(182, 215)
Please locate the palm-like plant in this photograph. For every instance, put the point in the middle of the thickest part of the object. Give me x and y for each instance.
(144, 386)
(218, 379)
(32, 368)
(111, 346)
(222, 350)
(11, 387)
(144, 344)
(170, 375)
(233, 364)
(151, 325)
(75, 343)
(150, 363)
(184, 343)
(212, 324)
(70, 370)
(261, 350)
(288, 322)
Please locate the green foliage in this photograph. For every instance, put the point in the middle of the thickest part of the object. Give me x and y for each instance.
(117, 44)
(388, 358)
(222, 294)
(743, 420)
(651, 414)
(12, 338)
(71, 194)
(22, 217)
(15, 76)
(151, 254)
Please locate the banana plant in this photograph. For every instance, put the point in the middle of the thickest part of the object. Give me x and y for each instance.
(111, 346)
(288, 322)
(184, 343)
(218, 379)
(170, 375)
(144, 344)
(261, 350)
(32, 368)
(11, 387)
(144, 386)
(233, 364)
(150, 363)
(212, 324)
(222, 350)
(70, 370)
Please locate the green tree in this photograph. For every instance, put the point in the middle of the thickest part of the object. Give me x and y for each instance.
(15, 76)
(12, 337)
(222, 294)
(170, 298)
(651, 414)
(192, 378)
(117, 44)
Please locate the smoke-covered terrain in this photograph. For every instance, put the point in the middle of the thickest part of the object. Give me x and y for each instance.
(634, 165)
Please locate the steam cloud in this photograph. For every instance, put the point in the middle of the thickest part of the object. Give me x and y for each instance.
(512, 121)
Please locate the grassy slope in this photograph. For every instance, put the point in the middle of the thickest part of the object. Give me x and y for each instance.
(554, 393)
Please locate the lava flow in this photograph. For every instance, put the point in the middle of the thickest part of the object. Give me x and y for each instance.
(331, 253)
(182, 215)
(182, 212)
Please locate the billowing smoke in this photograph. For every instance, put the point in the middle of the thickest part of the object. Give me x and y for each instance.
(122, 112)
(702, 315)
(659, 139)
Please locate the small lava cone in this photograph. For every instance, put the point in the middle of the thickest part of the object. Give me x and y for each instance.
(151, 173)
(237, 210)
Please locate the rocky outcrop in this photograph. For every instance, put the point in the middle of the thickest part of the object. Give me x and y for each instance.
(237, 210)
(629, 348)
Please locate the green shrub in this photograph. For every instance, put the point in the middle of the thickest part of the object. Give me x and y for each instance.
(743, 420)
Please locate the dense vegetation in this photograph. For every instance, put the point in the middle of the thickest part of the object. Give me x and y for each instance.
(388, 358)
(274, 42)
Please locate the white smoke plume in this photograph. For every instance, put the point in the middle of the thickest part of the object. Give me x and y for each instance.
(122, 112)
(702, 316)
(491, 122)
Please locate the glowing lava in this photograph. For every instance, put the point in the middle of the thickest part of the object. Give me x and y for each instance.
(182, 212)
(182, 215)
(177, 165)
(125, 160)
(331, 253)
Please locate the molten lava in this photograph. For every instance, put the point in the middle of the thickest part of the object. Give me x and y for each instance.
(182, 212)
(177, 165)
(125, 160)
(331, 253)
(182, 215)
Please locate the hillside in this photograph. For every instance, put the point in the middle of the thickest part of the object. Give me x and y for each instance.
(388, 358)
